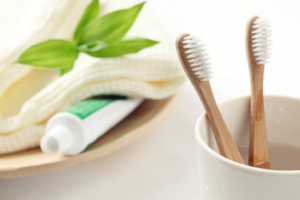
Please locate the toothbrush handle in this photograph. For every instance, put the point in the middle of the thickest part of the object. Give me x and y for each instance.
(258, 148)
(225, 142)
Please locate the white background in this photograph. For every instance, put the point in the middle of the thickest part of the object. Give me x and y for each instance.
(162, 165)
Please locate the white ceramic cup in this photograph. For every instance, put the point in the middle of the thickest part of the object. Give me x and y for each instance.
(223, 179)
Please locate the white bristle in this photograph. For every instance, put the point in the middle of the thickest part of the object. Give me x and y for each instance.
(261, 41)
(197, 58)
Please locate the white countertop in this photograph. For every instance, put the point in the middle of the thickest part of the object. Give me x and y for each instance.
(162, 165)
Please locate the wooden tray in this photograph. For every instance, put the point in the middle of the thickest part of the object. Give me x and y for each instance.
(33, 161)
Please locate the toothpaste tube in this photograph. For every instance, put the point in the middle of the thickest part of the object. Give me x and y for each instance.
(70, 132)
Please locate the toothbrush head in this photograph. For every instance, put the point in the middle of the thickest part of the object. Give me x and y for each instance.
(193, 57)
(260, 40)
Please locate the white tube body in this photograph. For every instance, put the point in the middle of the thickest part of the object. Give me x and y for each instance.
(70, 134)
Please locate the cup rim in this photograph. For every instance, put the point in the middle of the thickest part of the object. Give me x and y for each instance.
(234, 164)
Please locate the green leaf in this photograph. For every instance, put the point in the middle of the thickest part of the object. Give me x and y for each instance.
(110, 28)
(66, 70)
(126, 46)
(91, 12)
(50, 54)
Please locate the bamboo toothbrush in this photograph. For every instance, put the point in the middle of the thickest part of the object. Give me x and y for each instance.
(257, 47)
(194, 62)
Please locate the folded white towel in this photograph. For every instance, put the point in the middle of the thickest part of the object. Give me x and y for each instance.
(153, 73)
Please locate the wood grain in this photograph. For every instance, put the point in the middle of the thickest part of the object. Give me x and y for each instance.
(141, 121)
(225, 142)
(258, 147)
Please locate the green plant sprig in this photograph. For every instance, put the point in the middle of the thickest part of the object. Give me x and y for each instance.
(97, 36)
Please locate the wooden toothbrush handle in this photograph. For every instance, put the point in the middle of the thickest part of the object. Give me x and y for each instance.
(258, 148)
(226, 144)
